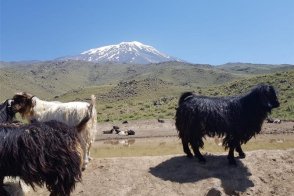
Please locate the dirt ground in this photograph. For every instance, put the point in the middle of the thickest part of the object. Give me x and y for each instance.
(262, 172)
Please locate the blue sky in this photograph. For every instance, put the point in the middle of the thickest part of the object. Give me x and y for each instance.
(207, 31)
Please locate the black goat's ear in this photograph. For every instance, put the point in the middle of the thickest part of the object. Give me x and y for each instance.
(264, 92)
(10, 102)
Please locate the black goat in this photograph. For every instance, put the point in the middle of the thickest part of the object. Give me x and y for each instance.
(238, 118)
(41, 154)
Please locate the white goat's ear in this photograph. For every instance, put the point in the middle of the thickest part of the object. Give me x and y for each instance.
(33, 102)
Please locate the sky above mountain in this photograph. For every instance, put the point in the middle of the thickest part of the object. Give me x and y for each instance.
(214, 32)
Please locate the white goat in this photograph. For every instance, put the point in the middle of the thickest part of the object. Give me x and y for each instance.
(70, 113)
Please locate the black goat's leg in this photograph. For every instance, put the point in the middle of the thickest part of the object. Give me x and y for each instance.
(195, 146)
(231, 158)
(242, 155)
(186, 149)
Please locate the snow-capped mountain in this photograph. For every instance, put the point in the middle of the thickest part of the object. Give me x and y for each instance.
(125, 52)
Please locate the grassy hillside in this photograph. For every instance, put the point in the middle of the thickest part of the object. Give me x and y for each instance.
(157, 99)
(53, 78)
(45, 79)
(127, 92)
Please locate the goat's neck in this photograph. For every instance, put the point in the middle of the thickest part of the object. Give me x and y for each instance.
(40, 106)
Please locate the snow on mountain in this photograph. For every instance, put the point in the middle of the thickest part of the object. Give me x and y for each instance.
(125, 52)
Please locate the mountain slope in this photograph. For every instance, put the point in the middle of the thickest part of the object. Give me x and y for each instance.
(125, 52)
(126, 91)
(53, 78)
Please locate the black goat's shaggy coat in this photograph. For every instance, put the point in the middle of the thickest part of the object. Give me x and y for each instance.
(41, 154)
(237, 118)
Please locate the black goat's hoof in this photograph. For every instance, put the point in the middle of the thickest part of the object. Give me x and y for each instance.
(190, 156)
(242, 156)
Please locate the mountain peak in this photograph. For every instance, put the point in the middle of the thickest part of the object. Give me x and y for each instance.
(133, 52)
(132, 43)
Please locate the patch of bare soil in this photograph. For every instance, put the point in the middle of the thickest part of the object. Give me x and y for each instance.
(261, 173)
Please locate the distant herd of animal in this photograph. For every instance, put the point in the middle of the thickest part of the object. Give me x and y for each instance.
(54, 147)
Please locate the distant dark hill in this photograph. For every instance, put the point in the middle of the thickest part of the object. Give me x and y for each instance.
(249, 68)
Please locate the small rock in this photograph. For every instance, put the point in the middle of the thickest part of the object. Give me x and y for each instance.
(115, 127)
(131, 132)
(160, 120)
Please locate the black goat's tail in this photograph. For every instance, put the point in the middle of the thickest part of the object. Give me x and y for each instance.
(184, 96)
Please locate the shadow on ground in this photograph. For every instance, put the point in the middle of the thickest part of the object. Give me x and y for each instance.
(184, 170)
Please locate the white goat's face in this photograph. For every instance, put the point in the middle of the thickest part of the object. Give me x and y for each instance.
(21, 102)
